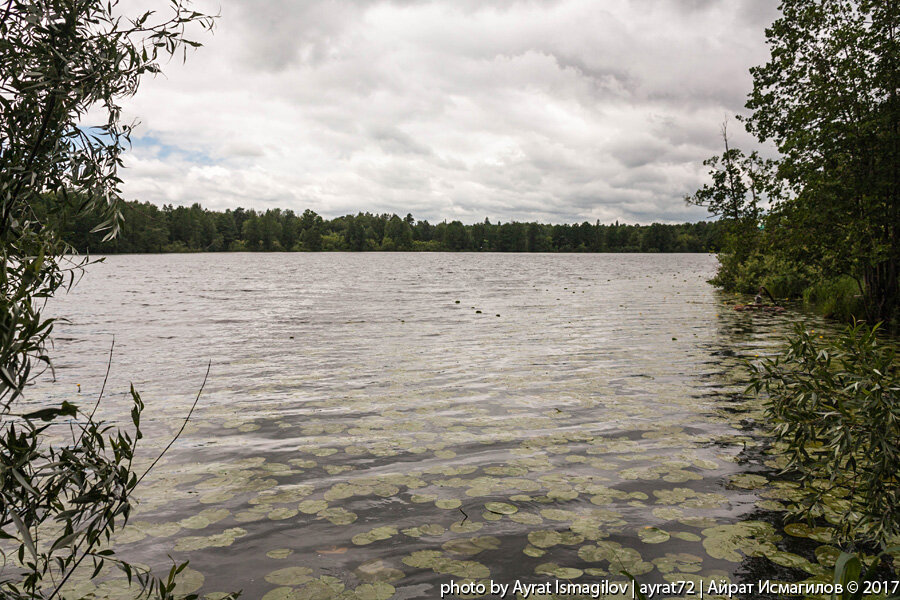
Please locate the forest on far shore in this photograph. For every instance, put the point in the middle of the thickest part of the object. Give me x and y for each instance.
(148, 228)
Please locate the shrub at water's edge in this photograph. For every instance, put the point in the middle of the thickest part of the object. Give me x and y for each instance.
(834, 409)
(66, 477)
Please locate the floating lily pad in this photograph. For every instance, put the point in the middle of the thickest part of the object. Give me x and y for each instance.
(376, 570)
(471, 546)
(198, 542)
(526, 518)
(281, 593)
(728, 542)
(379, 533)
(431, 529)
(311, 507)
(827, 555)
(559, 572)
(686, 536)
(282, 513)
(544, 538)
(501, 508)
(748, 481)
(374, 591)
(653, 535)
(338, 516)
(466, 527)
(290, 576)
(188, 581)
(678, 563)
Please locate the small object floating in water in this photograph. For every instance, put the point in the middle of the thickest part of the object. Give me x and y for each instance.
(760, 307)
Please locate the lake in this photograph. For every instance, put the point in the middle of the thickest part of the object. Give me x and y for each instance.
(375, 425)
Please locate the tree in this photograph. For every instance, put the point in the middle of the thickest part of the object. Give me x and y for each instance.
(311, 226)
(455, 236)
(60, 59)
(828, 98)
(399, 232)
(355, 235)
(741, 185)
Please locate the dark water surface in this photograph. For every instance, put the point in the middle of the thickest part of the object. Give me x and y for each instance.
(375, 425)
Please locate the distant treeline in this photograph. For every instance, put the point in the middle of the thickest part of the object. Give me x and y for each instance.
(150, 229)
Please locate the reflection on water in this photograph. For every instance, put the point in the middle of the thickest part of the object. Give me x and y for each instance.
(375, 425)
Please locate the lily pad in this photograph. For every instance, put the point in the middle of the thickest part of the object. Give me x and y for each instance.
(290, 576)
(653, 535)
(501, 508)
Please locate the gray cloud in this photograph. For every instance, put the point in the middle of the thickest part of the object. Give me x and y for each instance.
(562, 110)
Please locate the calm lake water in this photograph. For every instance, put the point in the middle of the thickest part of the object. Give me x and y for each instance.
(375, 425)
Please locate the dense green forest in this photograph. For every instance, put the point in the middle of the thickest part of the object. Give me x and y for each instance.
(149, 228)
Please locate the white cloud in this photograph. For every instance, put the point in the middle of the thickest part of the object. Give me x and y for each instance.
(557, 111)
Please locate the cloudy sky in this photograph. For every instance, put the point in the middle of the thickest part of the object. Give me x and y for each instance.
(557, 111)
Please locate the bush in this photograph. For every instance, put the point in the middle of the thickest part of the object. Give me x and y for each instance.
(783, 278)
(836, 298)
(835, 407)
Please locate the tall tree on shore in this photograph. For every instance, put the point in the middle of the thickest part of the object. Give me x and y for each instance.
(828, 98)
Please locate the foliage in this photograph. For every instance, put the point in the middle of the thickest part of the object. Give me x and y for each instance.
(838, 298)
(61, 62)
(151, 229)
(850, 568)
(740, 184)
(62, 502)
(836, 407)
(828, 98)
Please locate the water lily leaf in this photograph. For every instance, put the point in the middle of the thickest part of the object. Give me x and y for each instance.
(557, 571)
(466, 527)
(501, 508)
(797, 529)
(526, 518)
(379, 533)
(471, 546)
(827, 555)
(376, 570)
(188, 581)
(728, 542)
(290, 576)
(197, 542)
(323, 588)
(544, 538)
(311, 507)
(748, 481)
(678, 562)
(374, 591)
(280, 514)
(653, 535)
(338, 516)
(281, 593)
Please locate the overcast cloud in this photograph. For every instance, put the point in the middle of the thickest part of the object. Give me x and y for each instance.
(557, 111)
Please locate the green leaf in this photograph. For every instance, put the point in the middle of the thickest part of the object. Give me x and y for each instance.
(26, 535)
